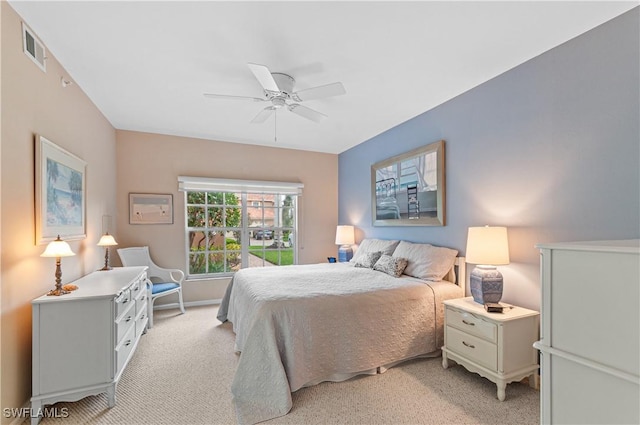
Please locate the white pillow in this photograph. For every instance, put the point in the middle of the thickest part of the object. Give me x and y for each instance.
(373, 245)
(426, 261)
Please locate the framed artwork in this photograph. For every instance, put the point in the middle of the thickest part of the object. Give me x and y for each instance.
(408, 189)
(150, 208)
(61, 193)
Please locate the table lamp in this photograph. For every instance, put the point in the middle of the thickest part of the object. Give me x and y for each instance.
(57, 249)
(106, 240)
(487, 247)
(345, 238)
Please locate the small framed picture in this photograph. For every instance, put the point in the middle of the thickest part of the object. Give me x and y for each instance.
(150, 208)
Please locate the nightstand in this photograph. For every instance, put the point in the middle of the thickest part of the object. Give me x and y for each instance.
(497, 346)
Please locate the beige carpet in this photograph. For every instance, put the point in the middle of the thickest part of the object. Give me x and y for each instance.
(182, 371)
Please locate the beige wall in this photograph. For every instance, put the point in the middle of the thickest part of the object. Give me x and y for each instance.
(151, 163)
(35, 102)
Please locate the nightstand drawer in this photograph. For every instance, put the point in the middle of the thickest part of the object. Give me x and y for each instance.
(471, 324)
(473, 348)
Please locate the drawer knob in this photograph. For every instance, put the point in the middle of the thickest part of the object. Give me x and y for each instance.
(468, 323)
(468, 345)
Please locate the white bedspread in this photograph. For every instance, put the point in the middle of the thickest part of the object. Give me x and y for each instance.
(300, 325)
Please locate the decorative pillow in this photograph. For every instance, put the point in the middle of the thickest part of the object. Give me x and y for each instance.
(426, 261)
(374, 245)
(393, 266)
(368, 259)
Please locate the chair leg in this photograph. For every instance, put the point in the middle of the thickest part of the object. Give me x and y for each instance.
(180, 301)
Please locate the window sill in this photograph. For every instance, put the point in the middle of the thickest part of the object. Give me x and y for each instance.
(201, 279)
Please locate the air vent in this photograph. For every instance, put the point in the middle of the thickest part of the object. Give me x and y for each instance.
(33, 47)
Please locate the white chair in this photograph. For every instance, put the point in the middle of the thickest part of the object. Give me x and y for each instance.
(162, 281)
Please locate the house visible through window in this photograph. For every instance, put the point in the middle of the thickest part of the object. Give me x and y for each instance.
(234, 224)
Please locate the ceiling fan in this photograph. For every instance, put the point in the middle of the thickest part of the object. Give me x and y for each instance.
(278, 90)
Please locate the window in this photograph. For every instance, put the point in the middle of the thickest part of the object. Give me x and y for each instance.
(233, 224)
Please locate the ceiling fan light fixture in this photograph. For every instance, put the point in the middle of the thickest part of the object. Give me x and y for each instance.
(278, 102)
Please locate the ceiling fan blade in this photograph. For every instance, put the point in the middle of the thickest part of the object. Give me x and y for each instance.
(333, 89)
(263, 115)
(232, 97)
(307, 113)
(264, 77)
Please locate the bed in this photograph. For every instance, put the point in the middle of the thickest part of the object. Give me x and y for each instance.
(297, 326)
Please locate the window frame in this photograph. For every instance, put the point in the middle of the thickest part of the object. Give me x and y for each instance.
(242, 188)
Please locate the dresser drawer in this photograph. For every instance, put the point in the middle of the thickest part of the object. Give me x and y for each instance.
(473, 348)
(138, 287)
(123, 301)
(123, 350)
(471, 324)
(141, 322)
(125, 322)
(141, 302)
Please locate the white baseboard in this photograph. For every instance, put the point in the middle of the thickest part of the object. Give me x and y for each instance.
(187, 304)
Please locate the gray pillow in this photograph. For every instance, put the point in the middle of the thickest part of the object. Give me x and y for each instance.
(393, 266)
(368, 260)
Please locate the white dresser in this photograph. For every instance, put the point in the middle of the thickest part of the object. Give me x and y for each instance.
(82, 341)
(498, 346)
(590, 334)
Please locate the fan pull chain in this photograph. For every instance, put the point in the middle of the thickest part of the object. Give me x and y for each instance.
(275, 126)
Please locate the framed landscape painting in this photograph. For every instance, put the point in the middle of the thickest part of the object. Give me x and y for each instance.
(60, 193)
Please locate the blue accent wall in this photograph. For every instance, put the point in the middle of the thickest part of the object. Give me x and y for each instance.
(550, 149)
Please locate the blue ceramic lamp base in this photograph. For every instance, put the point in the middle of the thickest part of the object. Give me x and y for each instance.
(486, 284)
(345, 253)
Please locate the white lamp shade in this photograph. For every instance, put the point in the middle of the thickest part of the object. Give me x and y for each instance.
(487, 245)
(107, 240)
(345, 235)
(58, 248)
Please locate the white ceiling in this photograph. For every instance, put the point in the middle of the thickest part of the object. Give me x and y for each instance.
(146, 64)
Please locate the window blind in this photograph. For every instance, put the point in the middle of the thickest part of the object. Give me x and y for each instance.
(206, 184)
